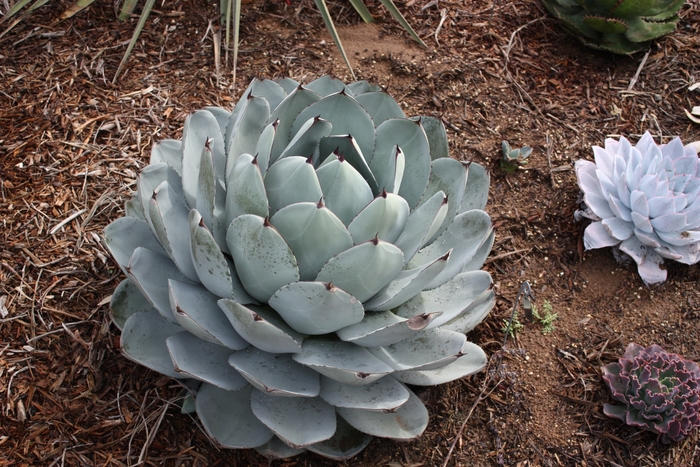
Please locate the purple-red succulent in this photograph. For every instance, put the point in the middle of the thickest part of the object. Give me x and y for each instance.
(660, 390)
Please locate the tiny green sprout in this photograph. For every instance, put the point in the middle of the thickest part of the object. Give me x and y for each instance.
(513, 157)
(547, 318)
(515, 327)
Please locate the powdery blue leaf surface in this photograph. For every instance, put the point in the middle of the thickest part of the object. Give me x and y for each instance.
(384, 328)
(126, 300)
(473, 361)
(292, 180)
(427, 350)
(383, 218)
(125, 234)
(382, 395)
(262, 327)
(143, 341)
(345, 443)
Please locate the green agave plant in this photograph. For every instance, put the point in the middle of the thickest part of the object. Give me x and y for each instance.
(298, 261)
(619, 26)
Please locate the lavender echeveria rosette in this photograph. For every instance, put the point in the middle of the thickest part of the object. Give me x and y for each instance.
(660, 390)
(644, 200)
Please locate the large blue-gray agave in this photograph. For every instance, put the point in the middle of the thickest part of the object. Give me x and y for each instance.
(299, 260)
(644, 200)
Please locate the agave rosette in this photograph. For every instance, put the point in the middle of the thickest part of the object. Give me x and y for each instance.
(644, 200)
(660, 391)
(302, 259)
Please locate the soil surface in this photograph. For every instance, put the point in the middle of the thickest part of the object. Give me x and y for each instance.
(72, 144)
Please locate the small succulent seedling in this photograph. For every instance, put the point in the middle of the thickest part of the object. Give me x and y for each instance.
(660, 391)
(512, 158)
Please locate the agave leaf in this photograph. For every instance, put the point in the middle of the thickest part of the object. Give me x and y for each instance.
(481, 254)
(262, 327)
(263, 259)
(351, 120)
(345, 443)
(313, 233)
(133, 208)
(427, 350)
(228, 418)
(476, 192)
(362, 86)
(473, 361)
(246, 130)
(196, 310)
(406, 422)
(316, 307)
(168, 151)
(276, 374)
(380, 106)
(270, 90)
(288, 84)
(284, 416)
(437, 137)
(278, 449)
(215, 270)
(147, 7)
(201, 128)
(126, 300)
(326, 85)
(305, 141)
(411, 138)
(246, 190)
(150, 271)
(206, 188)
(345, 191)
(325, 14)
(362, 10)
(143, 341)
(292, 180)
(407, 285)
(364, 269)
(641, 30)
(167, 214)
(473, 314)
(204, 361)
(388, 169)
(384, 328)
(384, 218)
(151, 177)
(389, 5)
(233, 5)
(464, 237)
(285, 114)
(222, 117)
(264, 147)
(450, 177)
(422, 224)
(452, 298)
(123, 236)
(14, 10)
(346, 146)
(385, 394)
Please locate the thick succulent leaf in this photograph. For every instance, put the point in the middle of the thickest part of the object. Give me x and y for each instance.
(411, 138)
(423, 222)
(344, 362)
(326, 85)
(285, 114)
(124, 235)
(473, 361)
(204, 361)
(222, 117)
(481, 254)
(476, 192)
(364, 269)
(385, 394)
(346, 146)
(126, 300)
(288, 84)
(247, 129)
(150, 271)
(313, 233)
(437, 137)
(388, 169)
(285, 415)
(143, 341)
(264, 147)
(450, 177)
(200, 127)
(384, 328)
(133, 208)
(464, 237)
(347, 117)
(151, 177)
(407, 422)
(276, 374)
(427, 350)
(380, 106)
(168, 151)
(451, 299)
(228, 418)
(207, 188)
(305, 141)
(360, 87)
(215, 270)
(316, 307)
(345, 443)
(278, 449)
(197, 311)
(262, 327)
(473, 314)
(167, 216)
(345, 191)
(246, 190)
(292, 180)
(269, 89)
(384, 218)
(407, 285)
(263, 259)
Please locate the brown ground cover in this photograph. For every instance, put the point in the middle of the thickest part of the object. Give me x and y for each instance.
(72, 144)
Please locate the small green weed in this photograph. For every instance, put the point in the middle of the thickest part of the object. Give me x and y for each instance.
(515, 327)
(547, 318)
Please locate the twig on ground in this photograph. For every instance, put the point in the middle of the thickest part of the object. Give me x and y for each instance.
(634, 79)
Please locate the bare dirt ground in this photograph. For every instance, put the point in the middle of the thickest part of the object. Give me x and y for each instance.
(72, 144)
